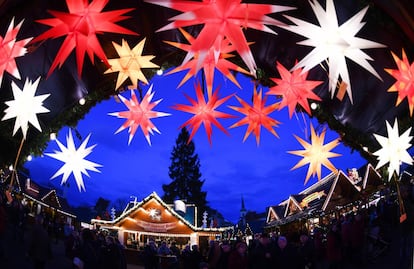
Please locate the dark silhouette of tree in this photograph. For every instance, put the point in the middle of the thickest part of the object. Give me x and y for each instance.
(184, 172)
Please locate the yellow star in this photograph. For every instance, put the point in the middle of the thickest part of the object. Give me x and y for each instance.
(316, 154)
(130, 63)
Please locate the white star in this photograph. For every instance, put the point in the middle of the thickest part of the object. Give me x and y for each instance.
(334, 43)
(74, 160)
(394, 149)
(25, 106)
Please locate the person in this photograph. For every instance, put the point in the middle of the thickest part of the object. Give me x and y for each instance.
(111, 255)
(306, 251)
(213, 254)
(150, 255)
(406, 229)
(333, 247)
(262, 256)
(39, 244)
(196, 257)
(121, 247)
(186, 257)
(285, 254)
(225, 250)
(88, 251)
(238, 258)
(3, 225)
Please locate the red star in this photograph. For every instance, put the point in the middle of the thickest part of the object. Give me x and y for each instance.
(294, 89)
(80, 27)
(204, 113)
(256, 116)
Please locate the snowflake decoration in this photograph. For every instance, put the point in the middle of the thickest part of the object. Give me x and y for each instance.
(294, 89)
(209, 64)
(334, 43)
(221, 19)
(130, 63)
(80, 26)
(394, 149)
(257, 116)
(25, 106)
(316, 154)
(204, 113)
(11, 49)
(405, 80)
(74, 159)
(139, 115)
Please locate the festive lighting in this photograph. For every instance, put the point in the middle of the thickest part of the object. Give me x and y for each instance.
(405, 80)
(139, 115)
(130, 63)
(204, 113)
(25, 106)
(209, 64)
(256, 116)
(333, 43)
(74, 160)
(394, 149)
(221, 19)
(315, 154)
(294, 89)
(80, 26)
(11, 49)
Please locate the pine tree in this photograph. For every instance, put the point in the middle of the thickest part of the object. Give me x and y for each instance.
(184, 172)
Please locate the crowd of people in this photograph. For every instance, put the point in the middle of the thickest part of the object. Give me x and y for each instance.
(349, 240)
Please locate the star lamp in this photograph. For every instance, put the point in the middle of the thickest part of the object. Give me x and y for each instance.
(74, 160)
(11, 49)
(80, 26)
(204, 112)
(315, 154)
(25, 106)
(139, 114)
(404, 77)
(394, 149)
(130, 63)
(334, 43)
(221, 19)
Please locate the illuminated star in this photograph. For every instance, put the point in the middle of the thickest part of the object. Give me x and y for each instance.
(405, 80)
(221, 19)
(139, 115)
(294, 89)
(130, 63)
(257, 116)
(394, 149)
(80, 26)
(209, 64)
(315, 154)
(74, 160)
(334, 43)
(25, 106)
(204, 113)
(11, 49)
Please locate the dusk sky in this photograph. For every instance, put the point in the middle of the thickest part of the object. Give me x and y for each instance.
(231, 169)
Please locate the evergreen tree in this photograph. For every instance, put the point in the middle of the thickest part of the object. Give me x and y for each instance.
(184, 172)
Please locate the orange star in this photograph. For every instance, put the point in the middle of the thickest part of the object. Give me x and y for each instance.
(405, 80)
(256, 116)
(316, 154)
(204, 113)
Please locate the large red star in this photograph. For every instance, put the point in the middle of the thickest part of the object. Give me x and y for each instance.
(80, 27)
(257, 115)
(204, 113)
(222, 19)
(294, 89)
